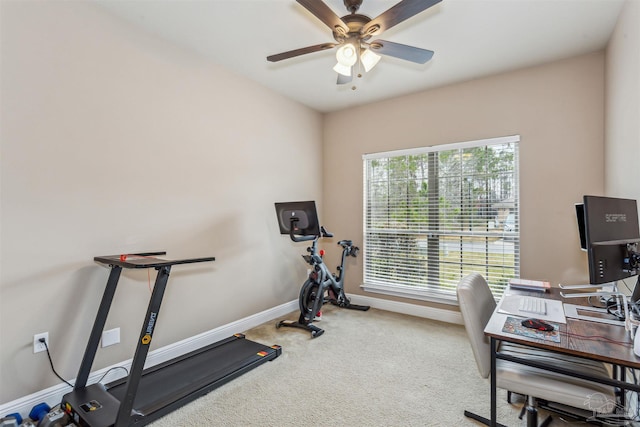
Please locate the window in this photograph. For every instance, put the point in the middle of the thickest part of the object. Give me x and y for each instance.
(433, 215)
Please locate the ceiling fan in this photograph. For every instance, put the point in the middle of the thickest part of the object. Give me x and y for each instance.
(352, 34)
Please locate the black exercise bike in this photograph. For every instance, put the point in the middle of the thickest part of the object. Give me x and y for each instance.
(322, 285)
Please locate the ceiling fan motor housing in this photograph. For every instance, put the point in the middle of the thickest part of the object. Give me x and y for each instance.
(355, 22)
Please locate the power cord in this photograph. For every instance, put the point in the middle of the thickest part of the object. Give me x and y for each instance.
(115, 367)
(614, 308)
(43, 341)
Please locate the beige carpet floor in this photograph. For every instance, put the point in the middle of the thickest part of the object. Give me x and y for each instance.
(373, 368)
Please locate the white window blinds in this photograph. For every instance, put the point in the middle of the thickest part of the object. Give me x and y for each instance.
(435, 214)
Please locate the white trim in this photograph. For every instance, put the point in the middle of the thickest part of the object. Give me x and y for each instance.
(53, 395)
(432, 292)
(441, 147)
(414, 292)
(439, 314)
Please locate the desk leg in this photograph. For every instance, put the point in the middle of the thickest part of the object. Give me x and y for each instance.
(493, 422)
(494, 348)
(623, 392)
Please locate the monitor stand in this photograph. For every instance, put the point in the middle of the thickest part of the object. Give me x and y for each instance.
(597, 314)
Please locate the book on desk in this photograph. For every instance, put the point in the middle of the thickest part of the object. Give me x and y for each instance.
(529, 285)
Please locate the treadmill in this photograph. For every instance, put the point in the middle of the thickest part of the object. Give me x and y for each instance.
(148, 394)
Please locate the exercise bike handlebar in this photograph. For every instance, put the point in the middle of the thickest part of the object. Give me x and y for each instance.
(324, 232)
(304, 238)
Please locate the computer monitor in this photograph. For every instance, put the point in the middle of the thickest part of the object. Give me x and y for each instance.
(610, 234)
(581, 230)
(304, 216)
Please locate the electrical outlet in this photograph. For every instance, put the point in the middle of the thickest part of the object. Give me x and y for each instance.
(37, 345)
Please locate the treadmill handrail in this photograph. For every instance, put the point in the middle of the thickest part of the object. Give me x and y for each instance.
(147, 260)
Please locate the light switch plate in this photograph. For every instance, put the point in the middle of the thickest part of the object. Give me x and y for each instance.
(110, 337)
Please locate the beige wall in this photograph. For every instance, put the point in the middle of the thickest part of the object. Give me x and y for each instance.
(557, 109)
(116, 142)
(622, 149)
(113, 141)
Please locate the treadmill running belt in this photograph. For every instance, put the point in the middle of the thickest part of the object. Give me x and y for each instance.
(179, 381)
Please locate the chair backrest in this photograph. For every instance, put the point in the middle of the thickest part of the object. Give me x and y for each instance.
(476, 306)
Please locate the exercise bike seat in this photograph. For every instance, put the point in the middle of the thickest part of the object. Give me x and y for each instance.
(345, 243)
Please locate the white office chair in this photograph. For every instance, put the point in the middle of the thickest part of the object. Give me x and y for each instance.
(476, 305)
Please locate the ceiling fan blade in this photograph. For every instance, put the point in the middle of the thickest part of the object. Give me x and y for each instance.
(324, 13)
(343, 80)
(402, 51)
(398, 13)
(301, 51)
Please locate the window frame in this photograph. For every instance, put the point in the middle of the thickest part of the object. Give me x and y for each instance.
(430, 293)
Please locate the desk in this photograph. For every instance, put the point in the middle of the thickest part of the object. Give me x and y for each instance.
(619, 355)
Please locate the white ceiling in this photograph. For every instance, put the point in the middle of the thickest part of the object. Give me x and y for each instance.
(471, 38)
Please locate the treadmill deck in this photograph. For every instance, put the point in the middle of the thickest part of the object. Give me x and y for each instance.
(165, 387)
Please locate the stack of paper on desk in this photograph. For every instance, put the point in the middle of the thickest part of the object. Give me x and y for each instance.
(510, 305)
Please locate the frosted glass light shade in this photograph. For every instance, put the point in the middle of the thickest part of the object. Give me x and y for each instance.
(369, 59)
(347, 54)
(345, 70)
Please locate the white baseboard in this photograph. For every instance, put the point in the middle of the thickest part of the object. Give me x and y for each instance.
(447, 316)
(53, 395)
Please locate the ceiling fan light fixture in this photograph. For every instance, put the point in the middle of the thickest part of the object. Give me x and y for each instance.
(347, 55)
(369, 59)
(354, 52)
(345, 70)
